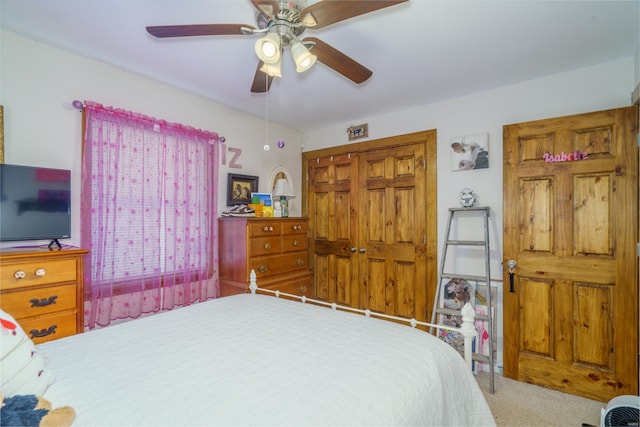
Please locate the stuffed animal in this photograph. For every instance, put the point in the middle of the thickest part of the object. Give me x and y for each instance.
(30, 410)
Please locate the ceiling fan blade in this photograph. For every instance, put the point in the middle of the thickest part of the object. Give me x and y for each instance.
(268, 7)
(199, 30)
(261, 81)
(329, 12)
(338, 61)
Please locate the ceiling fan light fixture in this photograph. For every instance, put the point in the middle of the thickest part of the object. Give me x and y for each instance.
(273, 70)
(302, 57)
(268, 48)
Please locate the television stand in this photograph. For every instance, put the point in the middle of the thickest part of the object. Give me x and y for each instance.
(56, 243)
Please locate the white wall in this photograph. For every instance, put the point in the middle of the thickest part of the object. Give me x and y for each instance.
(38, 82)
(596, 88)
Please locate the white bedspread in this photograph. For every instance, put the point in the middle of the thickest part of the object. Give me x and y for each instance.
(258, 360)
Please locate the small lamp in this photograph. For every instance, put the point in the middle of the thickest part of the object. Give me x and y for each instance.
(283, 190)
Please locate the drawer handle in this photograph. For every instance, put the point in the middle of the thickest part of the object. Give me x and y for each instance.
(267, 245)
(302, 289)
(265, 228)
(296, 227)
(295, 243)
(35, 302)
(43, 332)
(262, 268)
(19, 274)
(299, 261)
(41, 272)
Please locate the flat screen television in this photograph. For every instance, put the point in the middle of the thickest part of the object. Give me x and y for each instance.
(35, 203)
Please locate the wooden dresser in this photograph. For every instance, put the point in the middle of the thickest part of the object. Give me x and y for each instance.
(43, 290)
(276, 248)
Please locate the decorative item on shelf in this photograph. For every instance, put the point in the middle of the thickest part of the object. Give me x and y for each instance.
(267, 209)
(261, 198)
(467, 198)
(256, 205)
(282, 192)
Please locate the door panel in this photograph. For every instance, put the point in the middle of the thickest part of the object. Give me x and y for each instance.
(332, 208)
(570, 221)
(536, 335)
(393, 230)
(593, 337)
(592, 227)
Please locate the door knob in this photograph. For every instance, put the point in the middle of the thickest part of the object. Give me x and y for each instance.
(511, 265)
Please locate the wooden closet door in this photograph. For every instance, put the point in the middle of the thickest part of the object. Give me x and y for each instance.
(393, 236)
(372, 221)
(332, 211)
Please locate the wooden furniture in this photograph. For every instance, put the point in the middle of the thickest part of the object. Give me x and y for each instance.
(43, 290)
(275, 248)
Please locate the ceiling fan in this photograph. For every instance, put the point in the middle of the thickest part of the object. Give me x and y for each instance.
(282, 22)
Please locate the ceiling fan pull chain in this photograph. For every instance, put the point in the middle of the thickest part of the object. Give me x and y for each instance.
(266, 147)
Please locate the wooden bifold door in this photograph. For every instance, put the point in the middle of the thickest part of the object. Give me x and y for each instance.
(372, 223)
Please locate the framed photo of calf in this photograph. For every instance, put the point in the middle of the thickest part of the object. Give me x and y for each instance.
(239, 188)
(470, 152)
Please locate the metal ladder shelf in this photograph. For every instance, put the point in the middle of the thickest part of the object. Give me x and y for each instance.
(486, 279)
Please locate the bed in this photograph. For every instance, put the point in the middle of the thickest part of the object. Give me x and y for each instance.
(255, 359)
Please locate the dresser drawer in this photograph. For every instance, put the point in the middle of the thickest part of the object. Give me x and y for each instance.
(294, 243)
(47, 328)
(265, 246)
(262, 229)
(42, 272)
(39, 301)
(280, 264)
(294, 227)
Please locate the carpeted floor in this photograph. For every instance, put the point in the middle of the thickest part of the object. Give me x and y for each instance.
(516, 403)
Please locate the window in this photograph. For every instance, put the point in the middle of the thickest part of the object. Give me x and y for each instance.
(148, 206)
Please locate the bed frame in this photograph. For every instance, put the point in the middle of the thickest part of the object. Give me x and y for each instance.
(467, 329)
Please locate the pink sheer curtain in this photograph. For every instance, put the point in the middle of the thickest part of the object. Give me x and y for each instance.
(148, 211)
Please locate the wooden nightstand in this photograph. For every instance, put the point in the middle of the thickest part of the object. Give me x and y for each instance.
(43, 290)
(275, 248)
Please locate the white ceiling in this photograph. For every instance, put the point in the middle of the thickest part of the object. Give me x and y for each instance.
(420, 52)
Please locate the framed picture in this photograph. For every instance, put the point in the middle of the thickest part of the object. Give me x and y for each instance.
(239, 188)
(359, 131)
(263, 197)
(470, 152)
